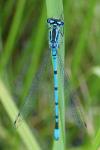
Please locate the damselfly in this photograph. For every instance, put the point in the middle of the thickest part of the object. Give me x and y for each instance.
(55, 35)
(54, 43)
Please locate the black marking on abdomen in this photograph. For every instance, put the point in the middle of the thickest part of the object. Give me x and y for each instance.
(56, 117)
(55, 88)
(54, 55)
(56, 103)
(55, 71)
(56, 125)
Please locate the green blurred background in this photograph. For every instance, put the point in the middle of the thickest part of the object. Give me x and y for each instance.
(23, 44)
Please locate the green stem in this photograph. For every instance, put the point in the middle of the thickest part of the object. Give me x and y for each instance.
(80, 48)
(96, 141)
(9, 46)
(55, 10)
(24, 132)
(36, 47)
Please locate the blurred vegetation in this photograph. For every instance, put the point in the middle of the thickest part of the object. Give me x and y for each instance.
(23, 44)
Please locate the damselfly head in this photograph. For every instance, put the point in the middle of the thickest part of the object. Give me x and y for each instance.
(56, 22)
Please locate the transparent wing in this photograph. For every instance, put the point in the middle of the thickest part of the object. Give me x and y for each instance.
(75, 109)
(27, 107)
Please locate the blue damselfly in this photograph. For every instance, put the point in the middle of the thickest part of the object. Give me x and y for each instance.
(55, 36)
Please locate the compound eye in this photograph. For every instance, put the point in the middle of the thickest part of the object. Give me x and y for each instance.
(50, 21)
(60, 23)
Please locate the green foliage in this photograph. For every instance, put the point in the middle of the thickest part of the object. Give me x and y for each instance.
(23, 43)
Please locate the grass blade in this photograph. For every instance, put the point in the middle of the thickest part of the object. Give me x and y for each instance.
(55, 10)
(36, 48)
(12, 111)
(96, 141)
(80, 47)
(12, 34)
